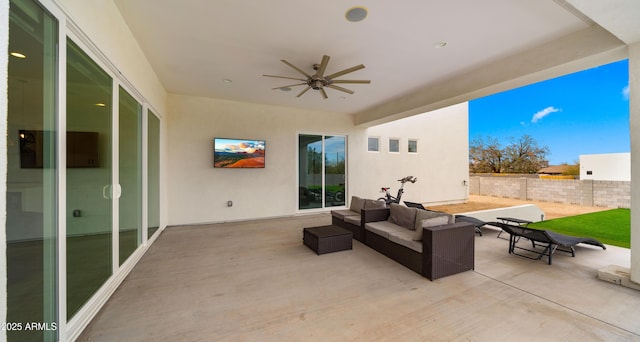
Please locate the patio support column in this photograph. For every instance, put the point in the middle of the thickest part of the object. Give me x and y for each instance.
(634, 127)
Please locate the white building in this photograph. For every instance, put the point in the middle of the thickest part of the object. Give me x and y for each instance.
(606, 167)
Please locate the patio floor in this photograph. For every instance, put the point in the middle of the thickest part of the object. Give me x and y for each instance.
(256, 281)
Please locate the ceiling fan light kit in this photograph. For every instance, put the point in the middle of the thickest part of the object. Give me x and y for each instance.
(318, 81)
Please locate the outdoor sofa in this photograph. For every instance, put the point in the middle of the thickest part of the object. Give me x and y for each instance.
(427, 242)
(351, 219)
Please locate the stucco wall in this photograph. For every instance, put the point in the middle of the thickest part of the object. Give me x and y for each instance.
(441, 163)
(198, 193)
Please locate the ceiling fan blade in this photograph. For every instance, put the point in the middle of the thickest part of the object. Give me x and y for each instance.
(304, 91)
(323, 65)
(351, 81)
(324, 93)
(296, 68)
(341, 89)
(346, 71)
(290, 85)
(289, 78)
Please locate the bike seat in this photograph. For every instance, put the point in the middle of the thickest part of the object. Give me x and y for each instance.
(385, 189)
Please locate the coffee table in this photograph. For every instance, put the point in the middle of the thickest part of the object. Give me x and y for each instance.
(327, 239)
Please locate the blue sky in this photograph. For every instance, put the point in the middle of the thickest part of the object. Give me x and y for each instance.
(582, 113)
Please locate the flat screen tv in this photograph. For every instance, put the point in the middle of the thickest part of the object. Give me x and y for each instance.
(238, 153)
(82, 149)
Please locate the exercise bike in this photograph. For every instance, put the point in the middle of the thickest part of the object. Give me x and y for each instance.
(388, 199)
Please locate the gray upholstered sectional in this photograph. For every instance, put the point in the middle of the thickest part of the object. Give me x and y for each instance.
(351, 218)
(427, 242)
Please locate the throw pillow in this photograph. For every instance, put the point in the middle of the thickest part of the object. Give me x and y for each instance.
(372, 204)
(357, 203)
(427, 214)
(430, 222)
(403, 216)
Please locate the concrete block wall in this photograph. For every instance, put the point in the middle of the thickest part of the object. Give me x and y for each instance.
(552, 190)
(613, 194)
(496, 186)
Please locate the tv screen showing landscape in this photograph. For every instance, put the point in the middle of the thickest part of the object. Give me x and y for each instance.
(238, 153)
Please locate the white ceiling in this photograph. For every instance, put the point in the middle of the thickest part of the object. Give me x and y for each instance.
(195, 44)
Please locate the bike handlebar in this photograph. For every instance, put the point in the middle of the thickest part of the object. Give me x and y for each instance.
(408, 179)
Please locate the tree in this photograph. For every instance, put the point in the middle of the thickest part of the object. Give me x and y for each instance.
(485, 156)
(572, 170)
(525, 156)
(520, 156)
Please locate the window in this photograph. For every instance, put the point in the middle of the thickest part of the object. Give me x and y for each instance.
(413, 146)
(394, 145)
(373, 144)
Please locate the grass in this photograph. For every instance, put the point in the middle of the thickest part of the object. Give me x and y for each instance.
(612, 227)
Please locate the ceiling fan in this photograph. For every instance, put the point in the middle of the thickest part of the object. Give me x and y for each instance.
(319, 81)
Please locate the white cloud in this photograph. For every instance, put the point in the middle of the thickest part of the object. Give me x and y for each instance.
(625, 92)
(541, 114)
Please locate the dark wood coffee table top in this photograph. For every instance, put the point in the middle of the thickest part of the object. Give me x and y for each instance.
(325, 231)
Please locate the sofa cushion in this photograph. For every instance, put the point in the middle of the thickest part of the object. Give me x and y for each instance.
(357, 204)
(430, 222)
(427, 214)
(372, 204)
(405, 238)
(403, 216)
(353, 219)
(342, 214)
(383, 228)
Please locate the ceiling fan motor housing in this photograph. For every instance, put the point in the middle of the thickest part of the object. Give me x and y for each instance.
(317, 84)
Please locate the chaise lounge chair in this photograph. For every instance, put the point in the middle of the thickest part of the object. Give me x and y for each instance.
(551, 241)
(476, 222)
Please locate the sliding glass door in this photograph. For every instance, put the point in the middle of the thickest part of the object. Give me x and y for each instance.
(31, 229)
(321, 171)
(153, 173)
(75, 176)
(89, 178)
(129, 175)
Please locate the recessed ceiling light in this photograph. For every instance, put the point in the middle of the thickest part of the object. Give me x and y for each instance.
(441, 44)
(355, 14)
(226, 80)
(285, 89)
(18, 55)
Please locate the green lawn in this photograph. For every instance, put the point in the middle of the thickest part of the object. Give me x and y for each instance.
(612, 227)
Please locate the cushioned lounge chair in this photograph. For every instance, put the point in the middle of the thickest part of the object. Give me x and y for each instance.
(551, 241)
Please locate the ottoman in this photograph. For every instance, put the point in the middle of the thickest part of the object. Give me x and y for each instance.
(327, 239)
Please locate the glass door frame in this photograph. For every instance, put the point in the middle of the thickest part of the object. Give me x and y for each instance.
(324, 206)
(67, 29)
(73, 326)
